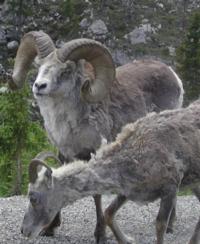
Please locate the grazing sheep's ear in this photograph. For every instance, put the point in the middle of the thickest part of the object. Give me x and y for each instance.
(37, 162)
(48, 175)
(33, 169)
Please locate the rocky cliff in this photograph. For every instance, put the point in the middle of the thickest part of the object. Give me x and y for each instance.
(130, 28)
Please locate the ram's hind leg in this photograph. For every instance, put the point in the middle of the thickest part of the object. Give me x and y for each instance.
(110, 221)
(167, 205)
(170, 227)
(196, 235)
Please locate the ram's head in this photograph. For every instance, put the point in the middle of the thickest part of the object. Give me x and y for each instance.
(58, 66)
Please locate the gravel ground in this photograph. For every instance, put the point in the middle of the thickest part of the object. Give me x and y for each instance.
(79, 221)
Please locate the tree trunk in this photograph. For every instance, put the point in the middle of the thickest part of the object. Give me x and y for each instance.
(17, 183)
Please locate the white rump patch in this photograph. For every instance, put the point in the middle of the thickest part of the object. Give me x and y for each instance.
(180, 102)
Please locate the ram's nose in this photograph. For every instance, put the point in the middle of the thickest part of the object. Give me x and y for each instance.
(40, 86)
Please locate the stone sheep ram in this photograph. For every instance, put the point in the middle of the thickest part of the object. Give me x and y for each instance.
(82, 97)
(150, 159)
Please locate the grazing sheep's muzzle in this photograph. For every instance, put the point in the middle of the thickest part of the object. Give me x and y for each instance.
(27, 232)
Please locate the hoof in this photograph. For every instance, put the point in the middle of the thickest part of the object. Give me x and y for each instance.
(101, 240)
(100, 235)
(48, 232)
(169, 230)
(129, 240)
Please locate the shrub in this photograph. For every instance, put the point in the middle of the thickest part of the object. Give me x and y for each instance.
(188, 59)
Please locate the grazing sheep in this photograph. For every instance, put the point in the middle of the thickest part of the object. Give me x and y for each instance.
(82, 98)
(150, 159)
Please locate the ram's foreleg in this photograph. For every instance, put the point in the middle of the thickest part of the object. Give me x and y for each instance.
(170, 227)
(111, 222)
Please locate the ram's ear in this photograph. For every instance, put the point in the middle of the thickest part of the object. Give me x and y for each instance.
(86, 74)
(86, 69)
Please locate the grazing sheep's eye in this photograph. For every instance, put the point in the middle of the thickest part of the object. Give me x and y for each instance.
(34, 198)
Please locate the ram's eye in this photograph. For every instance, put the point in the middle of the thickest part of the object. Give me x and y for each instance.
(67, 71)
(65, 74)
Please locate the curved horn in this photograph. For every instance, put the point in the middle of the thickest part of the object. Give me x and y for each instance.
(33, 167)
(100, 58)
(44, 155)
(32, 44)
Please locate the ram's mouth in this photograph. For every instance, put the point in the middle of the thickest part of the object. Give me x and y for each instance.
(38, 94)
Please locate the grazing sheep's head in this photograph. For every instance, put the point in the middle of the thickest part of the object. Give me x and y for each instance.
(44, 204)
(59, 68)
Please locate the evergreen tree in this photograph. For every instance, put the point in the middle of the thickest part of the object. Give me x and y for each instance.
(188, 59)
(20, 140)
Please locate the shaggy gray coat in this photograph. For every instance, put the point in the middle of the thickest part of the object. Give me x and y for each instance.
(150, 159)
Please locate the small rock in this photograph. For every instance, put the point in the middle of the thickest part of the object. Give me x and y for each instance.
(120, 57)
(2, 36)
(98, 27)
(145, 21)
(84, 23)
(172, 51)
(136, 36)
(147, 28)
(3, 90)
(161, 5)
(13, 45)
(2, 70)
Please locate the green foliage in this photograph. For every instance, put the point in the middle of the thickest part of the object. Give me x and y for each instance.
(68, 8)
(20, 7)
(72, 8)
(188, 58)
(20, 140)
(185, 192)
